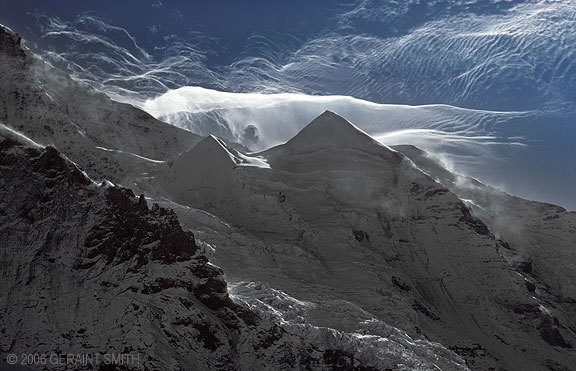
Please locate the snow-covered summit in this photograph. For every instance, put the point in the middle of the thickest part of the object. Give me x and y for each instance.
(329, 130)
(202, 172)
(349, 216)
(375, 256)
(211, 153)
(205, 172)
(94, 269)
(330, 142)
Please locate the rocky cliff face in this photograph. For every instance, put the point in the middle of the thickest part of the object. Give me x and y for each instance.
(90, 268)
(340, 253)
(10, 44)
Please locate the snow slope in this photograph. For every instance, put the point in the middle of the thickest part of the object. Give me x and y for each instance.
(90, 268)
(339, 251)
(354, 227)
(543, 235)
(106, 138)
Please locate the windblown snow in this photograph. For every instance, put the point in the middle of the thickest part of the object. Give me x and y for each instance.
(328, 251)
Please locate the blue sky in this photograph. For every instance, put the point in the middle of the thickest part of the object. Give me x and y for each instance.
(511, 63)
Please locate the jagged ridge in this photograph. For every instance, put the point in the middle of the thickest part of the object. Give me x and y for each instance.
(107, 139)
(108, 274)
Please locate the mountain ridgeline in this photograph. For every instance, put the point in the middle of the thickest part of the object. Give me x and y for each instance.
(328, 252)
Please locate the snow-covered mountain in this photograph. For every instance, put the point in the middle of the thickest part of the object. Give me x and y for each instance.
(106, 138)
(543, 235)
(339, 252)
(88, 268)
(495, 78)
(91, 269)
(339, 219)
(478, 143)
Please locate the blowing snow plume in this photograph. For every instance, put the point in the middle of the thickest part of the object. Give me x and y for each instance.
(482, 144)
(511, 63)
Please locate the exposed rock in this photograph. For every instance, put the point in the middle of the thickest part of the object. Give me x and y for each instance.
(93, 267)
(10, 44)
(90, 268)
(551, 333)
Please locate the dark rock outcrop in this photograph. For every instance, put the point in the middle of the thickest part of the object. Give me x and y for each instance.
(90, 268)
(10, 44)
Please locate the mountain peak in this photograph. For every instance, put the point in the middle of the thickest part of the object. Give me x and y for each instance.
(332, 114)
(211, 152)
(213, 140)
(331, 120)
(202, 173)
(329, 130)
(10, 43)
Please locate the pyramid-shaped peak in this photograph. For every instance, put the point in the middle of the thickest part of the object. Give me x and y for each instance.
(329, 130)
(201, 174)
(329, 113)
(212, 140)
(331, 120)
(210, 153)
(213, 144)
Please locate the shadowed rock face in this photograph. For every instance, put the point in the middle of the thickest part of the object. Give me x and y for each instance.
(10, 44)
(65, 231)
(129, 224)
(90, 268)
(60, 219)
